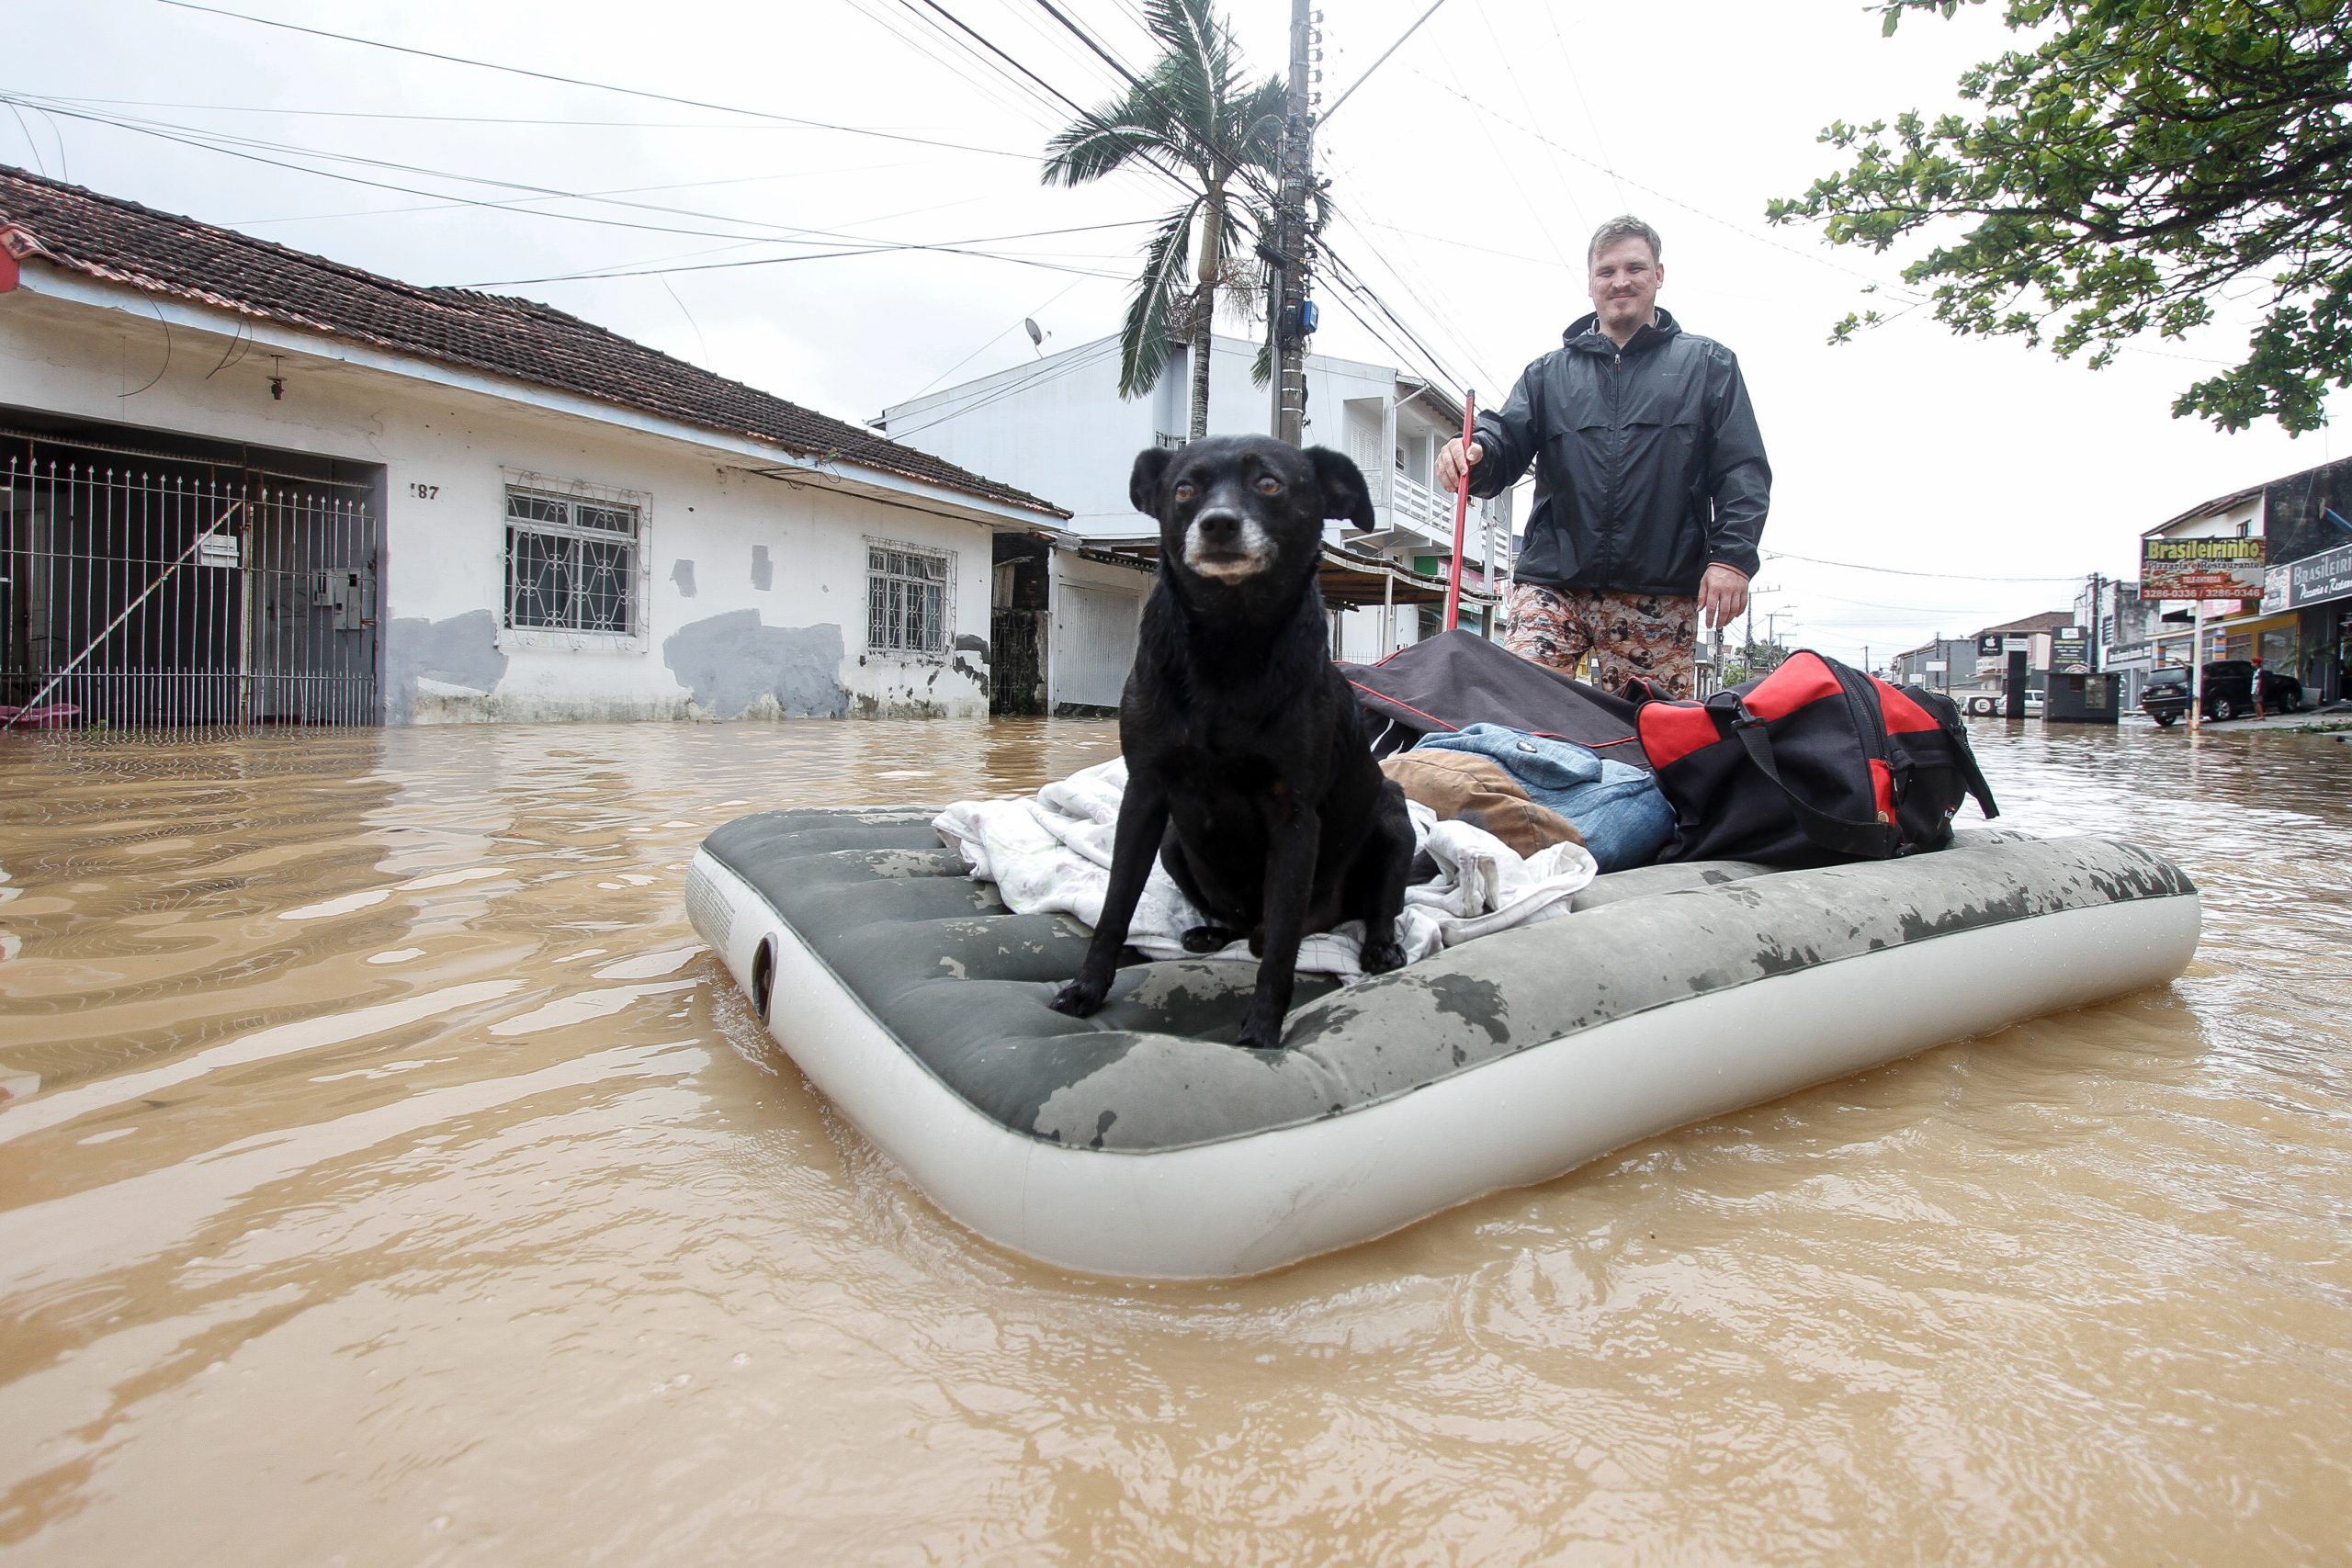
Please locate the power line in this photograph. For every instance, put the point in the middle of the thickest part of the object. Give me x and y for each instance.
(925, 35)
(1406, 357)
(1877, 605)
(481, 118)
(232, 146)
(582, 81)
(1467, 246)
(1233, 159)
(1376, 65)
(1898, 571)
(1059, 42)
(202, 144)
(1142, 153)
(1355, 221)
(1037, 376)
(221, 144)
(952, 250)
(198, 139)
(1478, 108)
(857, 245)
(1031, 313)
(1551, 156)
(990, 45)
(1584, 100)
(1346, 276)
(1089, 41)
(1510, 166)
(520, 203)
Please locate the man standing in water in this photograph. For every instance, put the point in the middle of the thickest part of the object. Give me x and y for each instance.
(1650, 480)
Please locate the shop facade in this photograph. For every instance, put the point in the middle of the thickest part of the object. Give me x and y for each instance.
(2318, 600)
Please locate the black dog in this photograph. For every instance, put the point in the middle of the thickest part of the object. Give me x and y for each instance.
(1248, 768)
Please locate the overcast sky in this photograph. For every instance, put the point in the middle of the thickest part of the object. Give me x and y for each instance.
(1469, 170)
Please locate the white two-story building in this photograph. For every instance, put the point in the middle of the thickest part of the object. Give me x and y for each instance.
(1058, 427)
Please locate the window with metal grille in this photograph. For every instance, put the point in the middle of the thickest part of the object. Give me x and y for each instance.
(905, 598)
(570, 563)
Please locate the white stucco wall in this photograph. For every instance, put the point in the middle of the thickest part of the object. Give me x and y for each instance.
(1059, 420)
(754, 591)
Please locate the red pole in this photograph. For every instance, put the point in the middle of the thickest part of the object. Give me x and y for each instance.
(1461, 510)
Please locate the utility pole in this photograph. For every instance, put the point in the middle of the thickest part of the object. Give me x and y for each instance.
(2099, 651)
(1287, 301)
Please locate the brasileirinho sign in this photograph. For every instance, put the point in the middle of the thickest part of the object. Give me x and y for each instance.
(2202, 568)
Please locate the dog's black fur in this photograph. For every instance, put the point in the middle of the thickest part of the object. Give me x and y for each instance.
(1248, 769)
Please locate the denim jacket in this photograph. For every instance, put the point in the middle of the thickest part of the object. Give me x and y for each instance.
(1619, 809)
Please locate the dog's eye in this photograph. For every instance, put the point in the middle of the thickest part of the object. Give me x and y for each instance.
(1269, 485)
(1184, 491)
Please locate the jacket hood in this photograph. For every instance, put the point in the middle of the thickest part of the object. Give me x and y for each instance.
(1585, 334)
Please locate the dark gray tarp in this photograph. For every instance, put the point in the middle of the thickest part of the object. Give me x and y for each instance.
(1458, 679)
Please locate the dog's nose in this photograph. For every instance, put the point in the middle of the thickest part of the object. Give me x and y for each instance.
(1218, 526)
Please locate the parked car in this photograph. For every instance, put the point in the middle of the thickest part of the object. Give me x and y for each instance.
(1993, 704)
(2229, 691)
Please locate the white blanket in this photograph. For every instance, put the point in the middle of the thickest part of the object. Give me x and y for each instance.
(1051, 853)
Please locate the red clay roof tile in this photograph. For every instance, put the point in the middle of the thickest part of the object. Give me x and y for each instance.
(122, 242)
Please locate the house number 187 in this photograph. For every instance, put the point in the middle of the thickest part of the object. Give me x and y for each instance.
(425, 493)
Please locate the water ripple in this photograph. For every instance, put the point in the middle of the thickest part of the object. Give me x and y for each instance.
(388, 1164)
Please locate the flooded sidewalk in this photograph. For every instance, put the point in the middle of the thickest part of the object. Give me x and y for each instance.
(388, 1175)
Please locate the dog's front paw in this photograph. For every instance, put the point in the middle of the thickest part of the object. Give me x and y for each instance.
(1382, 955)
(1207, 939)
(1078, 999)
(1259, 1035)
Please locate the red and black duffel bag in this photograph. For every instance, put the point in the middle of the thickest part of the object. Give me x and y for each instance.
(1814, 763)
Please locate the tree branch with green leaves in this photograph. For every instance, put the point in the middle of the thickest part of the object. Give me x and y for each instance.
(2142, 160)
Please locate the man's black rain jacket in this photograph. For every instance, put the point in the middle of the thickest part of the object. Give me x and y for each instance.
(1648, 464)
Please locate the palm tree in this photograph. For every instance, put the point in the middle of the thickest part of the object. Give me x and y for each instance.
(1193, 116)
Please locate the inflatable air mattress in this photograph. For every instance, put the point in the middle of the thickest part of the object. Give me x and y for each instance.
(1140, 1142)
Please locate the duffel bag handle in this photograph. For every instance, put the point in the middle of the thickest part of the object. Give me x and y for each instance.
(1861, 840)
(1973, 776)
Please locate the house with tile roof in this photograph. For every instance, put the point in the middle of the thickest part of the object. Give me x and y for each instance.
(243, 484)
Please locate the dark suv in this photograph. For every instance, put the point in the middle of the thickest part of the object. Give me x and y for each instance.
(2229, 691)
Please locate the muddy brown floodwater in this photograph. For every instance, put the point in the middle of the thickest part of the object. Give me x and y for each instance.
(390, 1178)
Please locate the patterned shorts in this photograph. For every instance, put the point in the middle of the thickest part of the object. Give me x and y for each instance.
(1650, 636)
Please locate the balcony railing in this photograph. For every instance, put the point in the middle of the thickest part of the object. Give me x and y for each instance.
(1412, 505)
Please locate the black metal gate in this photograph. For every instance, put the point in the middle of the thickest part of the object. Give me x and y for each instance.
(138, 592)
(1016, 662)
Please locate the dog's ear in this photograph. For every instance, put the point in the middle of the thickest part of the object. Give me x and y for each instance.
(1142, 484)
(1345, 495)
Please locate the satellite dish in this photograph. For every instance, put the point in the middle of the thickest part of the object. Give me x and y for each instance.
(1036, 336)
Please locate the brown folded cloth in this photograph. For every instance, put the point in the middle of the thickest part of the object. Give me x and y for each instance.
(1480, 791)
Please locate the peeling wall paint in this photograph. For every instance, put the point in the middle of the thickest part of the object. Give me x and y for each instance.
(736, 668)
(790, 560)
(430, 664)
(953, 687)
